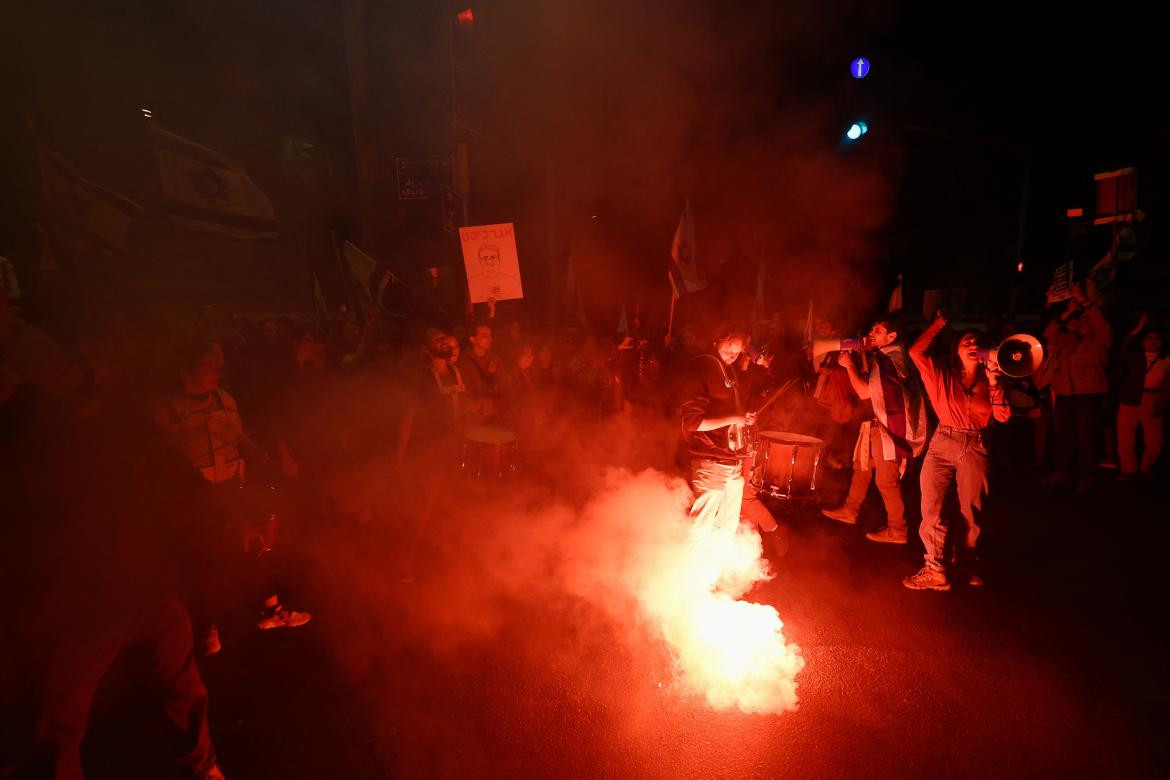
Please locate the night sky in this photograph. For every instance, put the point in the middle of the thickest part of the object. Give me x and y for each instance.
(604, 116)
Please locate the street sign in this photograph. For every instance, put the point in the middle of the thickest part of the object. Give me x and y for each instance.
(1116, 196)
(859, 68)
(420, 178)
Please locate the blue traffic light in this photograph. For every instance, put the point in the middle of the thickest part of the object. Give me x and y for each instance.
(856, 130)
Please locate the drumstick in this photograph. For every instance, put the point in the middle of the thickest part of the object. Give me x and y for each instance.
(768, 401)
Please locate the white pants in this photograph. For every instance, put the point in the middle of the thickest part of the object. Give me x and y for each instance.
(718, 493)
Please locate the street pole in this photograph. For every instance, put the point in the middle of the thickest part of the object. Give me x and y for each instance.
(462, 168)
(462, 172)
(1021, 231)
(365, 142)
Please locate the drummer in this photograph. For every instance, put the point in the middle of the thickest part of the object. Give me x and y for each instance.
(429, 433)
(438, 404)
(893, 432)
(712, 407)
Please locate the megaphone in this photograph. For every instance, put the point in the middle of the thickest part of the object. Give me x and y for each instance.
(1018, 356)
(824, 346)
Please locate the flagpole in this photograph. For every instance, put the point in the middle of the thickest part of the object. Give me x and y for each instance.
(670, 320)
(808, 333)
(347, 281)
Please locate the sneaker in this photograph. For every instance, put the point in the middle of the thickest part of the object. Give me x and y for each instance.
(927, 579)
(281, 617)
(209, 641)
(887, 535)
(972, 579)
(841, 515)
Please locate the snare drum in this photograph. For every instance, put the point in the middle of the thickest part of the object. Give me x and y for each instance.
(786, 464)
(488, 453)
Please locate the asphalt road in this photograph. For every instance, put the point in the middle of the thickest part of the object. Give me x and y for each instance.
(1056, 667)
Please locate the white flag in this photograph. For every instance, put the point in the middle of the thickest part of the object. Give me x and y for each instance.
(896, 297)
(1061, 287)
(684, 267)
(206, 191)
(83, 215)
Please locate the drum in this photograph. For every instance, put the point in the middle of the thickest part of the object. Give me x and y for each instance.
(488, 453)
(786, 464)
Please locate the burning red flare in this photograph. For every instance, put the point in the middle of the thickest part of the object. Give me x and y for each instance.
(688, 582)
(731, 651)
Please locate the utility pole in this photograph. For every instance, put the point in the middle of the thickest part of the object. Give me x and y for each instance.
(461, 174)
(459, 131)
(365, 141)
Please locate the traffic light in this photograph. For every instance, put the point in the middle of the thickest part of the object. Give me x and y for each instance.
(857, 102)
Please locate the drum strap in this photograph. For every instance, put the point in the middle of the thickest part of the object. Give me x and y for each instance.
(451, 390)
(729, 381)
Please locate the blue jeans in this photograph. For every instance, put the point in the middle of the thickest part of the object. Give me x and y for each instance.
(958, 457)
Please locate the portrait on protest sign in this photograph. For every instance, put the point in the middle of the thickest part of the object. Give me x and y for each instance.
(493, 266)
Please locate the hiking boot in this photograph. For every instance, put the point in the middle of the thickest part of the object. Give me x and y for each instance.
(927, 579)
(281, 617)
(887, 535)
(841, 515)
(208, 643)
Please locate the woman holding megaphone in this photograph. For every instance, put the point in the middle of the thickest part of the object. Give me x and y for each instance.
(966, 396)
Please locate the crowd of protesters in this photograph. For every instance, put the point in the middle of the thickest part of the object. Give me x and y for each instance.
(1078, 414)
(182, 471)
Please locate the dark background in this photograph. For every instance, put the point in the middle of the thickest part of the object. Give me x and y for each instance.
(593, 121)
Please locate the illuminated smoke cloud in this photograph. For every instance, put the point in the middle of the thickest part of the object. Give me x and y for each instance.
(687, 583)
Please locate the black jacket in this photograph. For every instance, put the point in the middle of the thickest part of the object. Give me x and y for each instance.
(710, 390)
